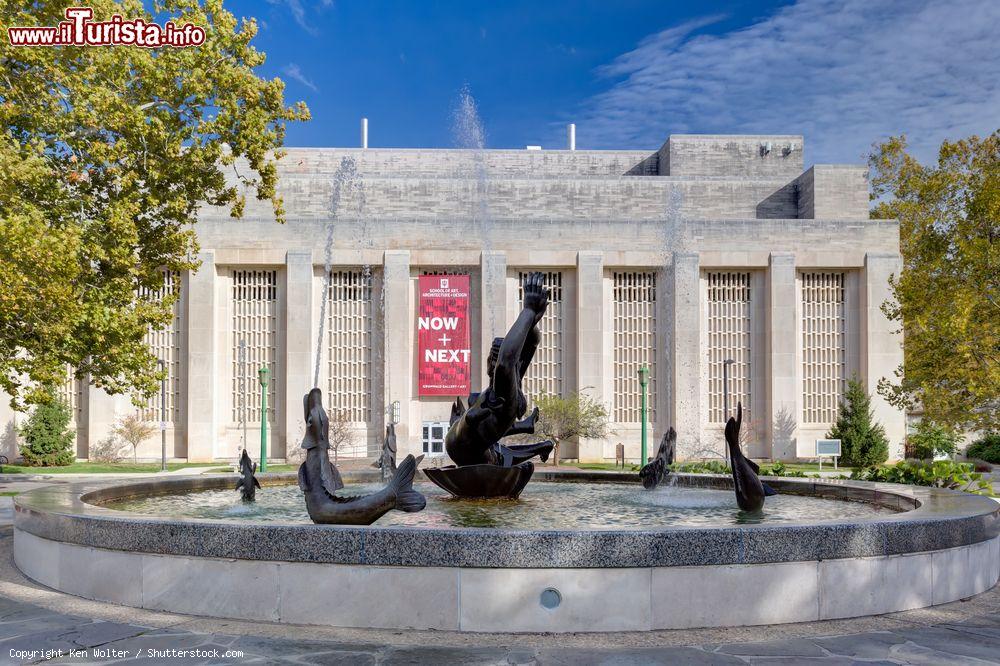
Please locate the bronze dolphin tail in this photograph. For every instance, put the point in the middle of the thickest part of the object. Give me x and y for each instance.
(326, 508)
(750, 491)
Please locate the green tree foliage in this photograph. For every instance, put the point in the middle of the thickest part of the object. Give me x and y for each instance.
(863, 441)
(106, 154)
(48, 440)
(930, 439)
(986, 448)
(947, 298)
(576, 415)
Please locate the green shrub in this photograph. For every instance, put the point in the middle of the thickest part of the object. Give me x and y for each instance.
(48, 440)
(780, 469)
(937, 474)
(863, 441)
(986, 448)
(704, 467)
(930, 439)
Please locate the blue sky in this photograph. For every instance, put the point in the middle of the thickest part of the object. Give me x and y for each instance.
(842, 72)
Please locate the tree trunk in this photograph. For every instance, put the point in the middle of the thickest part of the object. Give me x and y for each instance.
(555, 451)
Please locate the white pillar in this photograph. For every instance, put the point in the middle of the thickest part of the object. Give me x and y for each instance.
(590, 340)
(298, 345)
(881, 344)
(571, 136)
(202, 428)
(685, 356)
(364, 133)
(9, 420)
(399, 382)
(782, 358)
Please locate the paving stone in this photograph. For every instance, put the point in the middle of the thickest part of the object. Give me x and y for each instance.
(340, 658)
(633, 656)
(947, 642)
(787, 648)
(875, 645)
(445, 656)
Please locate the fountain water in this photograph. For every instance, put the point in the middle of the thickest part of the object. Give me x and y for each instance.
(468, 133)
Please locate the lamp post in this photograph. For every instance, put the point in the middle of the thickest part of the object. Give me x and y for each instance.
(725, 400)
(262, 374)
(163, 417)
(643, 381)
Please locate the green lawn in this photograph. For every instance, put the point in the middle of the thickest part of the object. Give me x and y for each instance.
(281, 468)
(611, 467)
(103, 468)
(10, 493)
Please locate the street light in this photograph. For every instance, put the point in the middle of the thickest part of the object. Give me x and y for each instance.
(643, 381)
(163, 416)
(262, 375)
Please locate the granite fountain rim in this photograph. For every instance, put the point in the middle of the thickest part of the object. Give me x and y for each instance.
(924, 519)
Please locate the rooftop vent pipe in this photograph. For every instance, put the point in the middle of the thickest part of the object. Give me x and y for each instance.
(364, 133)
(571, 136)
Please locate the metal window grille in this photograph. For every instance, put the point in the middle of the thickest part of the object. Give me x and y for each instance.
(634, 298)
(546, 372)
(350, 312)
(824, 367)
(729, 333)
(255, 321)
(165, 345)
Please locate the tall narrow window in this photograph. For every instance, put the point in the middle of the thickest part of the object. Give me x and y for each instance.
(729, 333)
(824, 367)
(634, 303)
(255, 325)
(165, 346)
(350, 325)
(71, 393)
(546, 372)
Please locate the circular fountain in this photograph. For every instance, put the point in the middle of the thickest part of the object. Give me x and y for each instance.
(580, 551)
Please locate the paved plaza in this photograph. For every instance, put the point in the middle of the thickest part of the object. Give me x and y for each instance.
(35, 623)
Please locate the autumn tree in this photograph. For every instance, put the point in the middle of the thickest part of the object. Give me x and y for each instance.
(106, 154)
(133, 430)
(576, 415)
(947, 298)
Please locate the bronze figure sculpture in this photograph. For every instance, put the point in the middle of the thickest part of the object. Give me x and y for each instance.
(750, 490)
(248, 483)
(484, 467)
(653, 473)
(387, 460)
(319, 480)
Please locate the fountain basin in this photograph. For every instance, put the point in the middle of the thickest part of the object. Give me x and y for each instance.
(928, 546)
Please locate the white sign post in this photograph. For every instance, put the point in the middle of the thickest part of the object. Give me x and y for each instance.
(827, 448)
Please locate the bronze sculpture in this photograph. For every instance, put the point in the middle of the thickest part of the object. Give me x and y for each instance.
(750, 490)
(653, 473)
(387, 460)
(319, 480)
(484, 467)
(248, 483)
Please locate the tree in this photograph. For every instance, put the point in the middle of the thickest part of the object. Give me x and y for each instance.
(930, 439)
(48, 440)
(106, 155)
(576, 415)
(947, 298)
(133, 430)
(863, 441)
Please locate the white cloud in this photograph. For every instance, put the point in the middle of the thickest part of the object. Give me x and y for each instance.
(294, 72)
(844, 73)
(298, 13)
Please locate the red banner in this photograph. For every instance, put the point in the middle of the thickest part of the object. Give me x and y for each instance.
(443, 335)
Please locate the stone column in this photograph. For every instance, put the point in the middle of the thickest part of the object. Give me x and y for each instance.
(202, 428)
(781, 328)
(102, 412)
(590, 339)
(399, 381)
(685, 354)
(299, 344)
(493, 300)
(881, 344)
(9, 420)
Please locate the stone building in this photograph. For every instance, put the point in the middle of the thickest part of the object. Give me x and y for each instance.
(711, 248)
